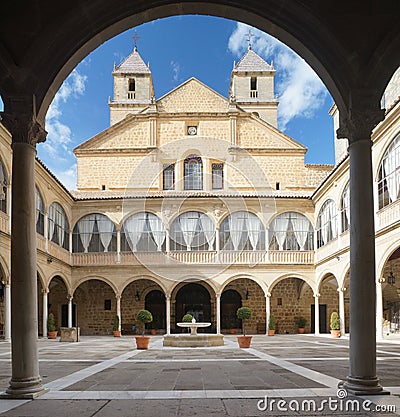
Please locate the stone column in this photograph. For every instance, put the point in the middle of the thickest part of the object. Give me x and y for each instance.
(46, 231)
(379, 309)
(20, 120)
(342, 314)
(70, 241)
(167, 241)
(168, 313)
(357, 126)
(118, 298)
(218, 302)
(267, 311)
(118, 245)
(70, 298)
(316, 313)
(45, 311)
(7, 315)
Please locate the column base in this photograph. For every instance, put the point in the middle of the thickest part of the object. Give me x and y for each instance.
(363, 386)
(28, 388)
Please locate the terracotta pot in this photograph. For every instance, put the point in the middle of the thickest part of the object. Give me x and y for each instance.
(301, 330)
(117, 333)
(244, 341)
(142, 342)
(153, 331)
(52, 335)
(335, 333)
(271, 332)
(232, 331)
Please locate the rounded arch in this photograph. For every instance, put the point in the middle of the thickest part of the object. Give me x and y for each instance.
(129, 214)
(41, 277)
(277, 214)
(323, 276)
(67, 210)
(63, 278)
(89, 213)
(210, 285)
(233, 278)
(388, 141)
(76, 285)
(307, 280)
(5, 270)
(155, 279)
(383, 259)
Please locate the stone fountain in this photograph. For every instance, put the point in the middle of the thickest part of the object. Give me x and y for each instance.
(193, 339)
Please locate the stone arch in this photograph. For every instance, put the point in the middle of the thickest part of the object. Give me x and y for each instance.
(133, 299)
(291, 298)
(5, 270)
(156, 280)
(57, 299)
(280, 278)
(328, 300)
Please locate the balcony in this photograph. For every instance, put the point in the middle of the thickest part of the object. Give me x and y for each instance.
(388, 215)
(4, 223)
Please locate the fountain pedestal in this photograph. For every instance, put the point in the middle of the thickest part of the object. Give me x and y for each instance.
(193, 339)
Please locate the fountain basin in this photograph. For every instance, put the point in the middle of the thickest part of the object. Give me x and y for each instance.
(193, 340)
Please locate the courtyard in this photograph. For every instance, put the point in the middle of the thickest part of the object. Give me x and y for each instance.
(106, 376)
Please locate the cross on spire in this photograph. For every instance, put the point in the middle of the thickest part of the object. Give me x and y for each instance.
(249, 35)
(135, 38)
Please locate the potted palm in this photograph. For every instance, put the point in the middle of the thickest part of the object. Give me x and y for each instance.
(271, 325)
(301, 324)
(51, 327)
(143, 316)
(116, 330)
(335, 325)
(244, 313)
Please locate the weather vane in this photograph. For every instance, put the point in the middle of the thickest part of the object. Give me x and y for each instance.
(249, 36)
(135, 39)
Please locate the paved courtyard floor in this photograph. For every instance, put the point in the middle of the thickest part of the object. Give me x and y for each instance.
(284, 375)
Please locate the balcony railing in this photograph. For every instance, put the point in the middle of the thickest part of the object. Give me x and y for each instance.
(389, 214)
(4, 222)
(60, 253)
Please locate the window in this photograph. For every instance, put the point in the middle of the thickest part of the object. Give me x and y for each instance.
(389, 175)
(291, 231)
(345, 209)
(193, 173)
(39, 213)
(107, 305)
(131, 89)
(3, 189)
(253, 87)
(58, 226)
(327, 223)
(217, 176)
(143, 232)
(192, 231)
(94, 233)
(242, 231)
(169, 177)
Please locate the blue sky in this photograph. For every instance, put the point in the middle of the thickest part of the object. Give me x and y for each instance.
(179, 48)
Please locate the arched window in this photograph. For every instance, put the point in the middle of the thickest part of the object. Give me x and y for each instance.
(327, 223)
(389, 175)
(192, 231)
(242, 231)
(143, 232)
(39, 213)
(193, 173)
(94, 233)
(132, 85)
(345, 208)
(58, 226)
(3, 188)
(291, 231)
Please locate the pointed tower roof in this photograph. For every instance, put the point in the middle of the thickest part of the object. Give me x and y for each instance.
(252, 62)
(132, 64)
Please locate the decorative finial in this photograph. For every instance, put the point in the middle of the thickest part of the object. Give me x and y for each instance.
(249, 36)
(135, 38)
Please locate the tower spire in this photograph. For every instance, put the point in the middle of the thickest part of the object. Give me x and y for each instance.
(249, 35)
(135, 38)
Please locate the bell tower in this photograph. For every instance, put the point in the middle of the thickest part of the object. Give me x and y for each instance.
(252, 85)
(133, 87)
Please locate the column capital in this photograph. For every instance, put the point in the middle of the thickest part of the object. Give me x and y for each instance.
(268, 295)
(70, 297)
(341, 289)
(358, 123)
(381, 280)
(316, 295)
(20, 120)
(45, 291)
(118, 296)
(217, 295)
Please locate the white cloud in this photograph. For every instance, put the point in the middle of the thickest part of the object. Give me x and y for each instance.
(67, 177)
(59, 136)
(301, 93)
(175, 70)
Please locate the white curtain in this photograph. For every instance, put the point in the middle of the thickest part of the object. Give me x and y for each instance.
(157, 230)
(63, 227)
(281, 224)
(106, 228)
(39, 204)
(2, 182)
(346, 203)
(333, 219)
(324, 222)
(207, 227)
(301, 226)
(188, 223)
(85, 230)
(236, 226)
(133, 227)
(52, 220)
(253, 229)
(392, 180)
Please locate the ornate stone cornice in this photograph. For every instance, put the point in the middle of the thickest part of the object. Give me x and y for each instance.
(23, 128)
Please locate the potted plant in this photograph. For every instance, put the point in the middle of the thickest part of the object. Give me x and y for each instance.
(51, 327)
(116, 330)
(301, 324)
(335, 324)
(244, 313)
(187, 318)
(271, 325)
(143, 316)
